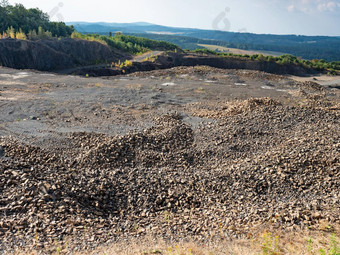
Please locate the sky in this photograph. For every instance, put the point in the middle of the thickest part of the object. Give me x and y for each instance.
(304, 17)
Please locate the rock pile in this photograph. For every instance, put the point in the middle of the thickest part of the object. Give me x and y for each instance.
(208, 71)
(209, 110)
(271, 164)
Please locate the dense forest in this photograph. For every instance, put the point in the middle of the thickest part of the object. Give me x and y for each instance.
(17, 20)
(185, 42)
(331, 68)
(306, 47)
(327, 48)
(128, 43)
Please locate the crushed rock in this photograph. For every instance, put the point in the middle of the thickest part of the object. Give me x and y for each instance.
(260, 163)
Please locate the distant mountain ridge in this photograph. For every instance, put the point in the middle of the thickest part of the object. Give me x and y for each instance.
(307, 47)
(136, 27)
(112, 24)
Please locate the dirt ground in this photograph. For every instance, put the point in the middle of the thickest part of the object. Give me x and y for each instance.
(36, 105)
(184, 152)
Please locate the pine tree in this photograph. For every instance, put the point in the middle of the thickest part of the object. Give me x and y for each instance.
(32, 35)
(4, 35)
(21, 35)
(11, 32)
(48, 34)
(41, 33)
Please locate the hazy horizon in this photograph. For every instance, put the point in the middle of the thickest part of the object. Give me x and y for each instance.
(302, 17)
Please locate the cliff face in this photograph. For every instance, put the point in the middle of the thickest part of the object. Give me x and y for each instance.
(48, 55)
(54, 55)
(230, 63)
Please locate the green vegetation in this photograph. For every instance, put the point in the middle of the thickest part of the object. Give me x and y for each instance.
(306, 47)
(271, 245)
(31, 24)
(127, 43)
(207, 51)
(120, 64)
(185, 42)
(21, 23)
(317, 64)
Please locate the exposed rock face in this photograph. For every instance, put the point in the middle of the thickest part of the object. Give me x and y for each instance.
(47, 55)
(170, 59)
(66, 53)
(231, 63)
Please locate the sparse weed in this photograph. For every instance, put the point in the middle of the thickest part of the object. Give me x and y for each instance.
(334, 248)
(167, 216)
(266, 244)
(178, 251)
(128, 63)
(120, 64)
(309, 245)
(270, 244)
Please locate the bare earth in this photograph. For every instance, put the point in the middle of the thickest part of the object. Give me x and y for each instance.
(189, 153)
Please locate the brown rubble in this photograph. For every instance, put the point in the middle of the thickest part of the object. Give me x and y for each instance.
(255, 163)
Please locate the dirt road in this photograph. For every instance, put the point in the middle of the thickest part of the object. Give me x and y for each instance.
(143, 57)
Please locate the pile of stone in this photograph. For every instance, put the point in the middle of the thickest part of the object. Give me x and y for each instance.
(270, 165)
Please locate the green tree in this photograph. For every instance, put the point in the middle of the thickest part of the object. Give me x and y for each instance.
(18, 16)
(11, 32)
(41, 33)
(32, 35)
(20, 35)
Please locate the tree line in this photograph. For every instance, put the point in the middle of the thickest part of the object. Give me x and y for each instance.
(331, 68)
(127, 43)
(18, 22)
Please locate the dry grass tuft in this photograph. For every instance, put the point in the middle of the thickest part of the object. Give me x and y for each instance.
(292, 243)
(309, 242)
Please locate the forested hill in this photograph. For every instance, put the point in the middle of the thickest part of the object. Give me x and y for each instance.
(19, 20)
(307, 47)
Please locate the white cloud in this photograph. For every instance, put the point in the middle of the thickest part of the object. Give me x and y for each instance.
(330, 6)
(291, 8)
(314, 6)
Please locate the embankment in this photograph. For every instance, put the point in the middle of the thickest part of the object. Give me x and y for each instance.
(66, 54)
(170, 59)
(54, 54)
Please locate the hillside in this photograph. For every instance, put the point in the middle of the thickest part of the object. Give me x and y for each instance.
(307, 47)
(55, 54)
(52, 54)
(95, 55)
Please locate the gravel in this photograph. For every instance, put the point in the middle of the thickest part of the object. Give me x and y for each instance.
(256, 163)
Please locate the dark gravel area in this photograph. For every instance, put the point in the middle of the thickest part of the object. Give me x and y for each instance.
(200, 168)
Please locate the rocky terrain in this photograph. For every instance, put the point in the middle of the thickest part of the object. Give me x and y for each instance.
(91, 58)
(168, 60)
(184, 153)
(54, 54)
